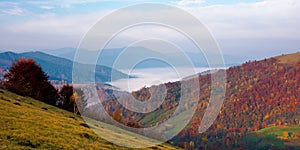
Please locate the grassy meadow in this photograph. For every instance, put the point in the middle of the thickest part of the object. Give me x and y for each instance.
(26, 123)
(279, 137)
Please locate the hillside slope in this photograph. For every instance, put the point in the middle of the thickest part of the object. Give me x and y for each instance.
(26, 123)
(289, 59)
(282, 137)
(259, 94)
(57, 68)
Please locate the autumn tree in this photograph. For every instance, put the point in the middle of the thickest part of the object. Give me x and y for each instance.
(191, 145)
(27, 78)
(117, 115)
(285, 134)
(73, 99)
(66, 92)
(79, 99)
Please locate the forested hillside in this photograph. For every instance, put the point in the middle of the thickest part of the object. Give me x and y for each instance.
(258, 94)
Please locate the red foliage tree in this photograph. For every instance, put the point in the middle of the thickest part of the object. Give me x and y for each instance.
(27, 78)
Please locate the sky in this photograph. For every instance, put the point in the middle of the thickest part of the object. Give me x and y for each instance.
(246, 28)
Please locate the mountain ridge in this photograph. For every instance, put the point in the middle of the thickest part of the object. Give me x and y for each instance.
(198, 59)
(57, 68)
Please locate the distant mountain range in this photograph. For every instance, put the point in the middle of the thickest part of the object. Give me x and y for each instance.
(58, 63)
(109, 56)
(57, 68)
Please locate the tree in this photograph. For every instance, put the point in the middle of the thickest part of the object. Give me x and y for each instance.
(73, 99)
(66, 93)
(27, 78)
(117, 115)
(79, 100)
(191, 145)
(285, 134)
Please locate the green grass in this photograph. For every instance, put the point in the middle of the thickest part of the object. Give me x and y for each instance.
(177, 122)
(156, 116)
(271, 137)
(27, 124)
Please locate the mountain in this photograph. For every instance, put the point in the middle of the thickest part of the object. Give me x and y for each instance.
(66, 52)
(259, 94)
(26, 123)
(57, 68)
(109, 56)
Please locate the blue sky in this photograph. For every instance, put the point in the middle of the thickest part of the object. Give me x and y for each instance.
(241, 27)
(16, 8)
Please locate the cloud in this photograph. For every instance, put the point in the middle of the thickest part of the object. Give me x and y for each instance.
(271, 25)
(56, 24)
(13, 11)
(269, 18)
(266, 28)
(47, 7)
(48, 30)
(5, 3)
(11, 8)
(68, 3)
(189, 2)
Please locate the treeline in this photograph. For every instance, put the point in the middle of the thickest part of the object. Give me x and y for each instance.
(26, 78)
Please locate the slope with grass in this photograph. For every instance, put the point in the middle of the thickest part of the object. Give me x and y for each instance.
(280, 137)
(26, 124)
(289, 59)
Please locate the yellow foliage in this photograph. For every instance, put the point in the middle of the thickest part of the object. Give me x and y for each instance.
(204, 139)
(266, 117)
(285, 134)
(192, 145)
